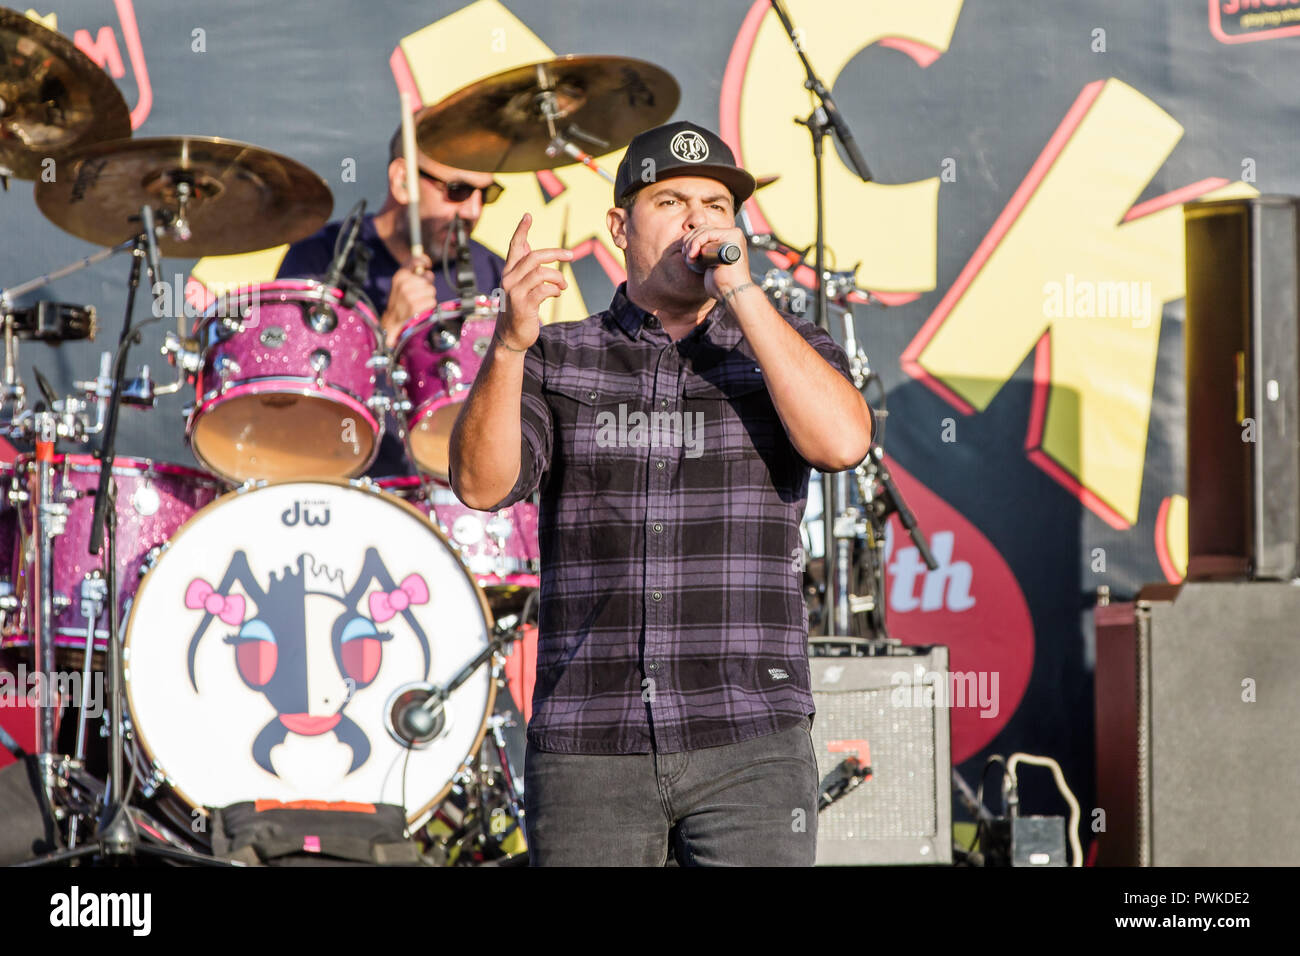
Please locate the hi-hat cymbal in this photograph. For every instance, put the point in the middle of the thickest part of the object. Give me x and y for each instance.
(233, 197)
(53, 98)
(499, 124)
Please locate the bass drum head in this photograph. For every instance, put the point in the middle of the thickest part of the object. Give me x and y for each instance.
(265, 645)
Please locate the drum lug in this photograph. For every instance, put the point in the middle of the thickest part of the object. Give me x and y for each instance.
(378, 360)
(225, 367)
(449, 371)
(151, 784)
(321, 318)
(187, 409)
(320, 361)
(440, 338)
(151, 558)
(183, 353)
(399, 377)
(401, 407)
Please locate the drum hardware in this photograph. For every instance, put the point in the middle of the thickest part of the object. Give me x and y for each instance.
(94, 593)
(441, 338)
(414, 715)
(449, 369)
(116, 832)
(54, 322)
(321, 319)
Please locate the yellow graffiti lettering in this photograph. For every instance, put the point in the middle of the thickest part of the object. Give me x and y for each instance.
(1069, 265)
(898, 249)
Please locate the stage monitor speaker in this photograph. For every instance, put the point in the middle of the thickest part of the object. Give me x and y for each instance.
(1242, 339)
(892, 713)
(1196, 711)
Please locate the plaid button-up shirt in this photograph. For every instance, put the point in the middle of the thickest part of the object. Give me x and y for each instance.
(672, 615)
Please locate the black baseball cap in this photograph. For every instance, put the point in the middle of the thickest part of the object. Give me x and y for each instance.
(680, 149)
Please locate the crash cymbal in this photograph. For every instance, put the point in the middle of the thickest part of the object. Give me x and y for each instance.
(499, 124)
(762, 181)
(53, 98)
(233, 197)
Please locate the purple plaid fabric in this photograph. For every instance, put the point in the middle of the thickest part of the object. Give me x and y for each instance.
(671, 614)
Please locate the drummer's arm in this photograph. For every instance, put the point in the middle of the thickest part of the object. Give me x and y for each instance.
(501, 444)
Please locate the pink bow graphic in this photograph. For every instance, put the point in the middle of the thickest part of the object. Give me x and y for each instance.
(387, 604)
(200, 594)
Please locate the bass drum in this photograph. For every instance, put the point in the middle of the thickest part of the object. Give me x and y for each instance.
(267, 644)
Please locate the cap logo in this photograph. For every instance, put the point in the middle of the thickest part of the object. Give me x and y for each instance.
(689, 147)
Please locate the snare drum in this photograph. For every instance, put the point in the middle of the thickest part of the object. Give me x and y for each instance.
(269, 641)
(437, 357)
(288, 384)
(153, 500)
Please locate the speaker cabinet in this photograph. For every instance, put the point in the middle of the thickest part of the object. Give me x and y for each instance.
(1242, 343)
(892, 713)
(1197, 711)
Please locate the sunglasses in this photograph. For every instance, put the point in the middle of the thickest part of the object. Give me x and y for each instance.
(459, 192)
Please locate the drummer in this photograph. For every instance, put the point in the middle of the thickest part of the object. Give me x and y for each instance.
(399, 285)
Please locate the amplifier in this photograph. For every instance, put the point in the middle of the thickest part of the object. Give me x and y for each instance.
(1242, 338)
(891, 712)
(1196, 719)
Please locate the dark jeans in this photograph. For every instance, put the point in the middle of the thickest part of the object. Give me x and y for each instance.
(748, 804)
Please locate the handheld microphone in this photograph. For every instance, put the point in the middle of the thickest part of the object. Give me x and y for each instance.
(725, 255)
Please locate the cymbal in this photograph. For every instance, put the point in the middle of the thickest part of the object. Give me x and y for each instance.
(762, 181)
(53, 98)
(499, 124)
(233, 197)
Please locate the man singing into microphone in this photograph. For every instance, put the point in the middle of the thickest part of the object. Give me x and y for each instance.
(671, 437)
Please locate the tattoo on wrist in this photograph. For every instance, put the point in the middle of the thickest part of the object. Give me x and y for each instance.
(726, 297)
(497, 336)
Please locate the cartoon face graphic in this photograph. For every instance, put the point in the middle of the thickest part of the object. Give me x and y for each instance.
(308, 644)
(263, 654)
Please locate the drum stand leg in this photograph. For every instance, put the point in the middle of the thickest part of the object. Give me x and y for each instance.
(94, 591)
(117, 835)
(511, 790)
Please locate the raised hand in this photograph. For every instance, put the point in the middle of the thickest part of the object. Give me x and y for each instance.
(525, 284)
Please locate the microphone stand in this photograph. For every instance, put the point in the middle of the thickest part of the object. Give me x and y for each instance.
(413, 721)
(837, 527)
(116, 836)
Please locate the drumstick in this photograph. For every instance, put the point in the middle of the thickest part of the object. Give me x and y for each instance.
(412, 178)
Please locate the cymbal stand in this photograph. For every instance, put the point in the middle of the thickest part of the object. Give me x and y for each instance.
(560, 143)
(117, 835)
